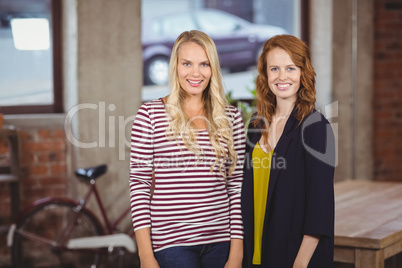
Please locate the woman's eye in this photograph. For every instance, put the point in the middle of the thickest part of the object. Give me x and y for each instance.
(274, 69)
(204, 64)
(186, 64)
(291, 68)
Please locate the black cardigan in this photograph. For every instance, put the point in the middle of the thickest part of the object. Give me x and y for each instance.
(300, 194)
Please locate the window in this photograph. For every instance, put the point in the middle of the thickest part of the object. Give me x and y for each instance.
(217, 22)
(239, 29)
(30, 49)
(174, 25)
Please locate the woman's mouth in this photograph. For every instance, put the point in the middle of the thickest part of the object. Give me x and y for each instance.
(283, 86)
(194, 83)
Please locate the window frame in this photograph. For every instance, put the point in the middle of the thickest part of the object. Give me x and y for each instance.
(57, 63)
(305, 21)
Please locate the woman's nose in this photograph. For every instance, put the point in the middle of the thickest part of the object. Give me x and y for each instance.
(195, 70)
(282, 75)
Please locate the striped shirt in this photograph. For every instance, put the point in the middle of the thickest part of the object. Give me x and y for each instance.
(190, 204)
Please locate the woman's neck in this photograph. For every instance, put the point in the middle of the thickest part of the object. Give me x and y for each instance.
(193, 106)
(284, 108)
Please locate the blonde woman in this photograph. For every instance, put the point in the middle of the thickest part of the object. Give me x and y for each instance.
(189, 149)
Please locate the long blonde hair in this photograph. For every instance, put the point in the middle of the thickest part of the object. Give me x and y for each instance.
(214, 100)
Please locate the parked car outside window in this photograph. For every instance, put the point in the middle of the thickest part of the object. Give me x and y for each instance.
(238, 41)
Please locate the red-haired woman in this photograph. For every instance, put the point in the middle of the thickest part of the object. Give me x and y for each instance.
(287, 195)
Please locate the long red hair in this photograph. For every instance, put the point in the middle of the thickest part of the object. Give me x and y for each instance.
(266, 100)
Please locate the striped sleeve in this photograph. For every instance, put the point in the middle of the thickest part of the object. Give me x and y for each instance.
(141, 165)
(236, 178)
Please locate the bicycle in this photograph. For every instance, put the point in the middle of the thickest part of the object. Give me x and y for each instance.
(62, 232)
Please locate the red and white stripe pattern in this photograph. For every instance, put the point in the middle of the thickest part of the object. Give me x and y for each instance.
(190, 204)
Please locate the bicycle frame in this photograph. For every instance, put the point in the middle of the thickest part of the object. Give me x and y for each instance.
(110, 226)
(90, 243)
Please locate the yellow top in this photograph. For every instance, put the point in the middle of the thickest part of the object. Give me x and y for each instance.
(261, 170)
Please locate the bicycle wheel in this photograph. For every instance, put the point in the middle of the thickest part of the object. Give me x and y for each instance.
(38, 236)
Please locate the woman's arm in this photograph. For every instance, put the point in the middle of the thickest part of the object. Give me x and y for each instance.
(306, 251)
(140, 183)
(319, 157)
(234, 184)
(145, 252)
(235, 180)
(319, 144)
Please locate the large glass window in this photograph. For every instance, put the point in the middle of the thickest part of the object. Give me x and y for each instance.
(239, 29)
(173, 25)
(217, 22)
(28, 79)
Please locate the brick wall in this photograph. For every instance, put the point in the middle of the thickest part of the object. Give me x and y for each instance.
(44, 157)
(43, 163)
(44, 173)
(387, 106)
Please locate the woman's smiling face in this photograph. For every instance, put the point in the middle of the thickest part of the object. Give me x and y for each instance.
(193, 69)
(283, 75)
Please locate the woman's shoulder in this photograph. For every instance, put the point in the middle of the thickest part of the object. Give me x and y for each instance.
(318, 138)
(316, 128)
(152, 105)
(232, 112)
(315, 118)
(253, 121)
(231, 109)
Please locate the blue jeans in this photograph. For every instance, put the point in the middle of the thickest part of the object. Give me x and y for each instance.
(201, 256)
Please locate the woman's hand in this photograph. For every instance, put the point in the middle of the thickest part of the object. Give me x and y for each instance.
(306, 251)
(236, 254)
(149, 262)
(299, 264)
(232, 263)
(145, 252)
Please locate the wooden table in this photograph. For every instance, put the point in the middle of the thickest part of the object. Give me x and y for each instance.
(368, 222)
